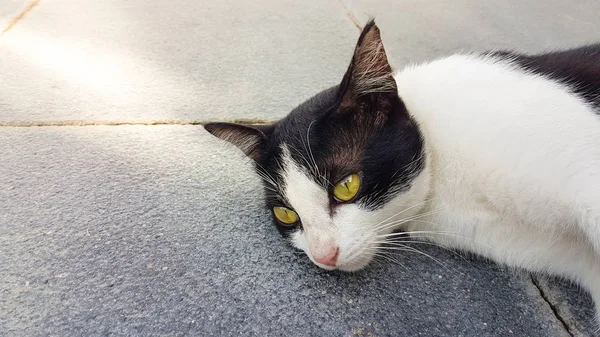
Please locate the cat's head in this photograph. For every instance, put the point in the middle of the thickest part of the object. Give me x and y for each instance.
(343, 169)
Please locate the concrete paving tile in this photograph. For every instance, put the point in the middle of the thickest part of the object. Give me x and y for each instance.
(171, 60)
(182, 60)
(10, 10)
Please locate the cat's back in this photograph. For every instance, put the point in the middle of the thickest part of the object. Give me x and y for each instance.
(578, 68)
(511, 127)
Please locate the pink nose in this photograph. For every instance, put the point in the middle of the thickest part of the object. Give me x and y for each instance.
(329, 258)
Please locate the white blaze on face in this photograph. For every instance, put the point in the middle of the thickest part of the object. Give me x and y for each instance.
(311, 202)
(323, 230)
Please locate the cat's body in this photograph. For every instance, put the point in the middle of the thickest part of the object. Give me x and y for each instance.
(496, 154)
(515, 164)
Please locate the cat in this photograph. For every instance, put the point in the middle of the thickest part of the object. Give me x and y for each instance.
(497, 154)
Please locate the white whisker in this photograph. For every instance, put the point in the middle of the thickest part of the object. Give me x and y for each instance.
(390, 258)
(308, 164)
(395, 242)
(404, 210)
(310, 154)
(397, 223)
(429, 234)
(411, 249)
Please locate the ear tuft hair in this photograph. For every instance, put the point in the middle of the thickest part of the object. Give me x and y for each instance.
(370, 71)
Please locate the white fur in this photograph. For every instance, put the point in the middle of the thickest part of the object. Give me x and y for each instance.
(513, 173)
(515, 162)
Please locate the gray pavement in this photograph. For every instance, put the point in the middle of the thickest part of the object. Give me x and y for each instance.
(171, 60)
(159, 229)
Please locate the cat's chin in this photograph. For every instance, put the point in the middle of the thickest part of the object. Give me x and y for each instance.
(353, 267)
(345, 268)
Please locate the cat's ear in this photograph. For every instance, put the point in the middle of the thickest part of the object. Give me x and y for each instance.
(249, 139)
(369, 72)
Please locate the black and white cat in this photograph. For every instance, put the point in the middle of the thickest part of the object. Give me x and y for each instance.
(496, 154)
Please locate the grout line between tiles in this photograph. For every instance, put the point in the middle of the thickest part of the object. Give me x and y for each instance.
(21, 15)
(552, 306)
(24, 124)
(351, 16)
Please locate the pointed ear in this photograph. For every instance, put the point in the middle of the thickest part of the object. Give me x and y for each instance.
(248, 139)
(369, 72)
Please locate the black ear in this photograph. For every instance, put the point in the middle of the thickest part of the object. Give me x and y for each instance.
(248, 139)
(369, 72)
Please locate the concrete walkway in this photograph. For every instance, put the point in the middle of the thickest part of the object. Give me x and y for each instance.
(120, 216)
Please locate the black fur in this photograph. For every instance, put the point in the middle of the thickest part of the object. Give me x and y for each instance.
(578, 68)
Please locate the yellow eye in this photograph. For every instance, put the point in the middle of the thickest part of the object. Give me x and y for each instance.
(285, 215)
(346, 189)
